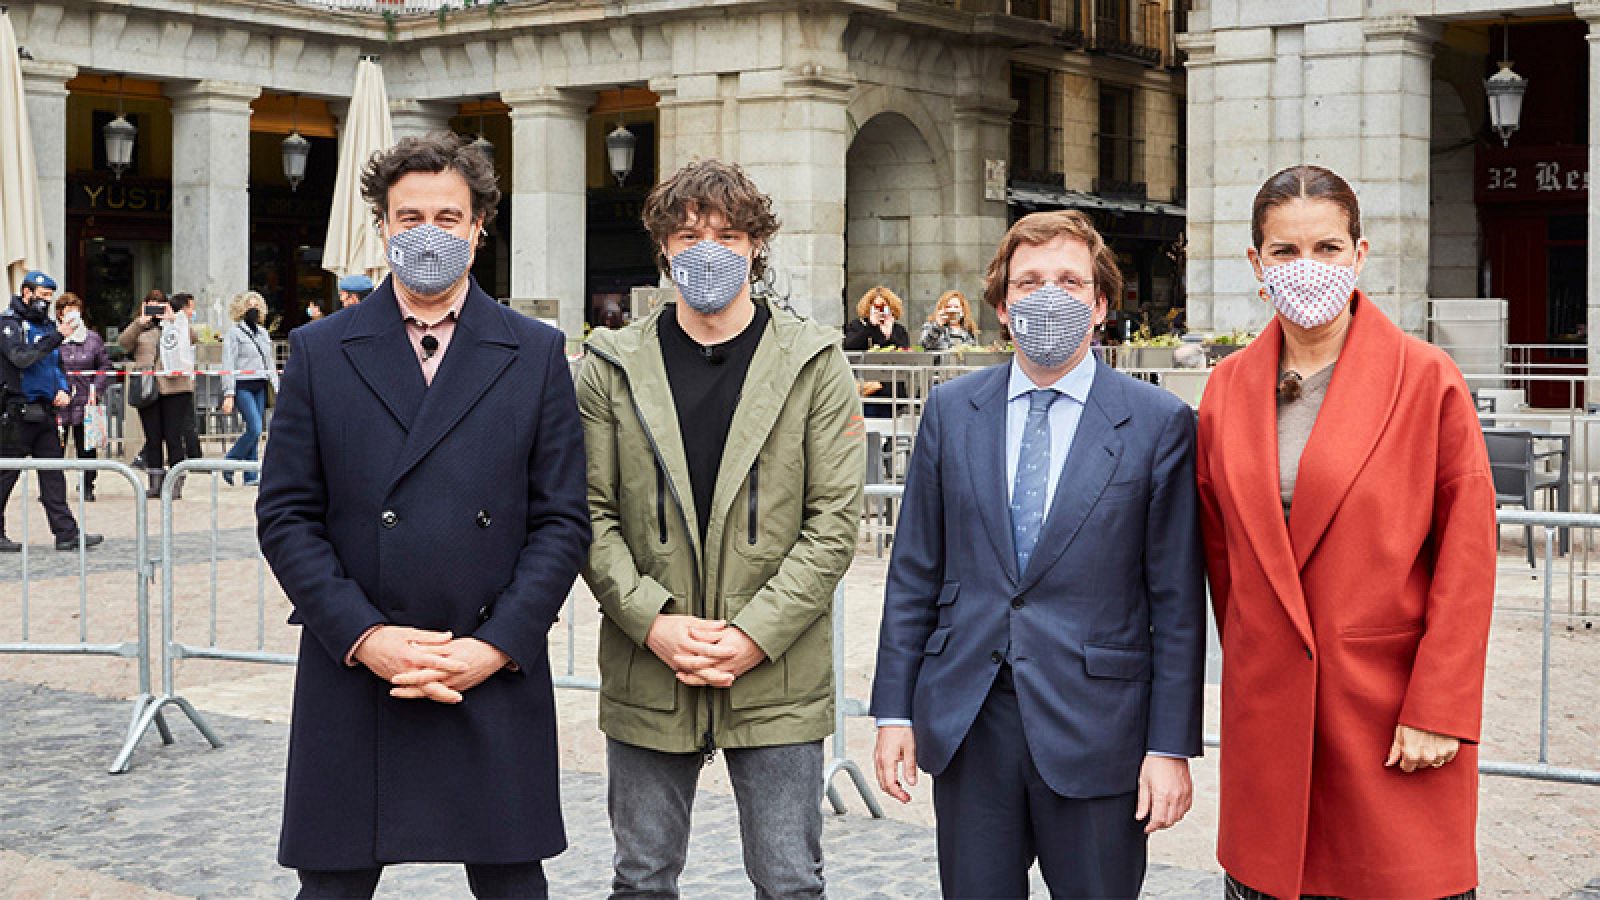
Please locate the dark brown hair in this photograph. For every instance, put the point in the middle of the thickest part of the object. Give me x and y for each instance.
(154, 295)
(1308, 183)
(180, 301)
(710, 186)
(67, 299)
(440, 151)
(1042, 228)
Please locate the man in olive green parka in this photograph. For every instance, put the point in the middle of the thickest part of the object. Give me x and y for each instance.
(725, 447)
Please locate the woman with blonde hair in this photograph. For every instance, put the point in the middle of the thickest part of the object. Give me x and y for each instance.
(247, 348)
(875, 326)
(949, 325)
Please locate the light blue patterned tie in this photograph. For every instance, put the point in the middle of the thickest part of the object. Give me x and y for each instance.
(1033, 476)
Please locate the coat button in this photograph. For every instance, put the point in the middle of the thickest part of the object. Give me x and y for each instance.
(483, 518)
(390, 518)
(997, 657)
(1016, 603)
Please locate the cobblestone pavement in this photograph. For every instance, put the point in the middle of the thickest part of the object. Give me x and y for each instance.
(190, 821)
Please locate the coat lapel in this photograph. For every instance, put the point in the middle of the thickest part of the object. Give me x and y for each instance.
(1249, 455)
(986, 463)
(1091, 461)
(380, 351)
(1359, 401)
(481, 348)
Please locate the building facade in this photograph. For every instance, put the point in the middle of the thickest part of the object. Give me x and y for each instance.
(1390, 94)
(883, 130)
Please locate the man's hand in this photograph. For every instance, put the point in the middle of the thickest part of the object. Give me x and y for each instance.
(1416, 749)
(227, 405)
(738, 653)
(1165, 792)
(895, 758)
(393, 649)
(679, 641)
(479, 659)
(62, 398)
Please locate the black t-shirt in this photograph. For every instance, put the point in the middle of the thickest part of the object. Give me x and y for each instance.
(705, 384)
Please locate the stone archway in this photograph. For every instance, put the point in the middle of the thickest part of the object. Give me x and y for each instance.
(893, 205)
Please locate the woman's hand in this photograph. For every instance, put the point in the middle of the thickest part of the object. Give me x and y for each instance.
(227, 405)
(1415, 749)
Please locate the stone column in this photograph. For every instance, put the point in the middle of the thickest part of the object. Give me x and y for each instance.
(45, 84)
(549, 199)
(974, 224)
(210, 193)
(1199, 297)
(415, 118)
(1589, 11)
(791, 140)
(1394, 125)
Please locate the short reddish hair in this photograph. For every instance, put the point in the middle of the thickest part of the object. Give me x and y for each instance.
(1042, 228)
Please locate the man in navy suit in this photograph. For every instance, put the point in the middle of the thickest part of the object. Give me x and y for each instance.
(423, 504)
(1043, 643)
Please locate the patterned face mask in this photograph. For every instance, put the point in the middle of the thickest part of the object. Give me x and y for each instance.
(1310, 293)
(429, 260)
(709, 275)
(1049, 325)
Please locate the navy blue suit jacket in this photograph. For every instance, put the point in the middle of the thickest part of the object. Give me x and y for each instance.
(458, 506)
(1107, 625)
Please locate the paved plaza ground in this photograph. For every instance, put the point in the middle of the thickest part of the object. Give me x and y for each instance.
(191, 821)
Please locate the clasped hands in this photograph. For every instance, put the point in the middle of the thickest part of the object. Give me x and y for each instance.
(428, 665)
(703, 652)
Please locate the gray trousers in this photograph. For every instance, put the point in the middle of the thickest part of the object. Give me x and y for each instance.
(779, 792)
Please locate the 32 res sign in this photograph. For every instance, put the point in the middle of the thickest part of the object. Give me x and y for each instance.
(1535, 175)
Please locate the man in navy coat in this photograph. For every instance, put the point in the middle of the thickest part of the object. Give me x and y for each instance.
(423, 505)
(1043, 644)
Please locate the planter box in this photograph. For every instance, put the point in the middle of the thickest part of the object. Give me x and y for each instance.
(1146, 357)
(1217, 351)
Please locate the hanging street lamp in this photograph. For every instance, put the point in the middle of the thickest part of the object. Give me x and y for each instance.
(1505, 89)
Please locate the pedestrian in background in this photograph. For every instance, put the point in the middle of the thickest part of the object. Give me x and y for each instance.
(82, 351)
(247, 348)
(165, 419)
(422, 505)
(352, 290)
(1352, 571)
(877, 326)
(725, 471)
(32, 387)
(949, 325)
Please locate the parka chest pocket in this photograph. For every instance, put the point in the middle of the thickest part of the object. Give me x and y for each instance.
(764, 518)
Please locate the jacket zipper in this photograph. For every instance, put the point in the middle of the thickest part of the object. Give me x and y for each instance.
(755, 484)
(708, 745)
(661, 501)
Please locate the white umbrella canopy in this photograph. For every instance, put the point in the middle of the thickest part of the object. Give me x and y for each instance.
(352, 247)
(22, 243)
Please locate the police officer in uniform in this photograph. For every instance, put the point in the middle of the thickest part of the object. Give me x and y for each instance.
(32, 383)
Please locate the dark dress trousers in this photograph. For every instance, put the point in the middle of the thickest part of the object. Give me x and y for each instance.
(457, 507)
(1065, 674)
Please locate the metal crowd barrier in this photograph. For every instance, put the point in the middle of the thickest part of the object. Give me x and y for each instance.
(145, 708)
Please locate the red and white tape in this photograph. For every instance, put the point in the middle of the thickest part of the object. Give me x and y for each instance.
(166, 373)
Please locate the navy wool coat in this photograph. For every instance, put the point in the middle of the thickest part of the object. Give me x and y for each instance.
(459, 507)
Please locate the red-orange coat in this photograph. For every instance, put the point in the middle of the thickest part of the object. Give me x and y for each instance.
(1369, 607)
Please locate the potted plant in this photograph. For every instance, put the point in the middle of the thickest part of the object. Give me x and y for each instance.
(1223, 344)
(1147, 351)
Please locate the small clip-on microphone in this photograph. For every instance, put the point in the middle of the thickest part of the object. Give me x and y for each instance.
(430, 346)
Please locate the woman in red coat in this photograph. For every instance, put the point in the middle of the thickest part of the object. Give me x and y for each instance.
(1352, 568)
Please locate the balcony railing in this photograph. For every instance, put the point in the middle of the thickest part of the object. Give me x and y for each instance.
(1114, 35)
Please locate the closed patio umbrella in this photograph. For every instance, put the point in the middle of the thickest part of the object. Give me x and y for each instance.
(351, 247)
(22, 243)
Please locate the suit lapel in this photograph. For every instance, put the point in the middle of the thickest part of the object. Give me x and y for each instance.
(1359, 401)
(1249, 455)
(1091, 461)
(481, 348)
(986, 464)
(381, 353)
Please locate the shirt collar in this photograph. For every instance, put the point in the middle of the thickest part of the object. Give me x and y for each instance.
(1074, 384)
(408, 315)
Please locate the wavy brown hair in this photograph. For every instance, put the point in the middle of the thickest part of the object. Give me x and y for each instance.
(966, 310)
(711, 186)
(864, 305)
(440, 151)
(1042, 228)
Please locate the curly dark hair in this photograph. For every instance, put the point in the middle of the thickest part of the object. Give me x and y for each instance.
(708, 186)
(440, 151)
